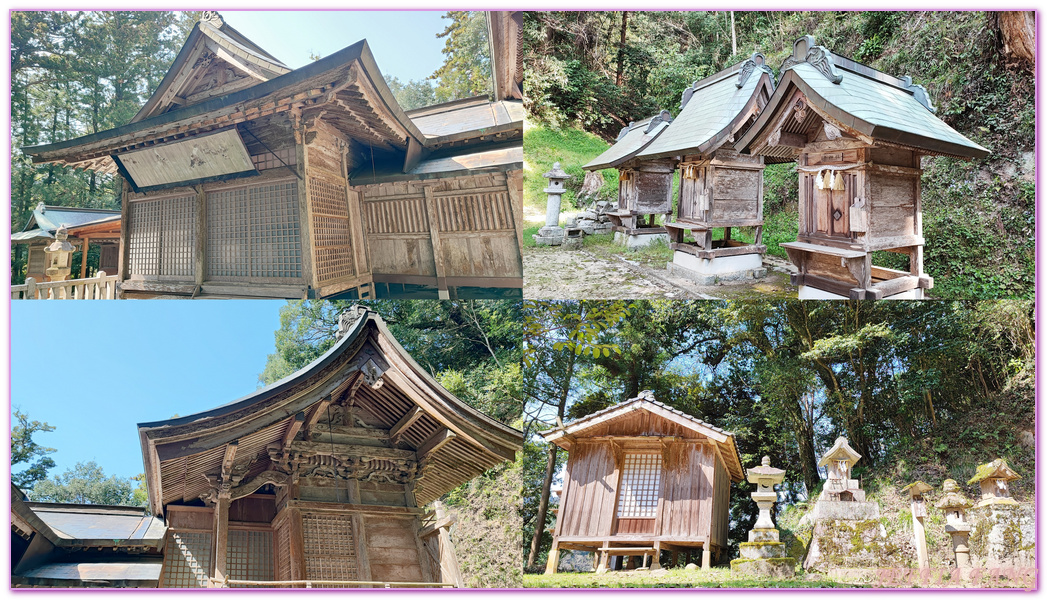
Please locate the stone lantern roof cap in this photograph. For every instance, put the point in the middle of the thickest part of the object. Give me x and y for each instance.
(556, 173)
(917, 488)
(997, 469)
(841, 450)
(765, 471)
(953, 497)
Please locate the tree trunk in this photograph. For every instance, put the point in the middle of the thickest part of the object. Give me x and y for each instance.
(543, 506)
(621, 50)
(734, 36)
(1018, 33)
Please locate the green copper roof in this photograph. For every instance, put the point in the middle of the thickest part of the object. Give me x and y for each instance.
(708, 115)
(633, 139)
(886, 108)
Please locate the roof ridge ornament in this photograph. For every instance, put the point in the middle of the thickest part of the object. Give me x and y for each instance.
(919, 93)
(660, 117)
(348, 318)
(212, 18)
(757, 62)
(819, 57)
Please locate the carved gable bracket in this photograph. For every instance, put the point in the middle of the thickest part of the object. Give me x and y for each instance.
(753, 64)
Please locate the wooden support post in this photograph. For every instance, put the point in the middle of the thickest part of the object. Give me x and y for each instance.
(125, 232)
(363, 559)
(297, 546)
(221, 538)
(305, 220)
(553, 561)
(602, 553)
(656, 558)
(434, 236)
(200, 250)
(514, 179)
(675, 560)
(707, 558)
(448, 557)
(726, 235)
(83, 257)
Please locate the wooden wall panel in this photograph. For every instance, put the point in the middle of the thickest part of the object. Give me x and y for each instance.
(402, 256)
(590, 503)
(893, 205)
(721, 504)
(653, 192)
(489, 211)
(482, 255)
(395, 216)
(331, 234)
(687, 490)
(393, 549)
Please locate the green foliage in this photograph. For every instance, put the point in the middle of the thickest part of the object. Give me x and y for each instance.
(86, 483)
(572, 148)
(488, 526)
(466, 70)
(24, 449)
(412, 94)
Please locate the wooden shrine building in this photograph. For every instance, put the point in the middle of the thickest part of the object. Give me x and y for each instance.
(719, 188)
(84, 227)
(321, 476)
(645, 187)
(857, 136)
(642, 477)
(317, 480)
(244, 178)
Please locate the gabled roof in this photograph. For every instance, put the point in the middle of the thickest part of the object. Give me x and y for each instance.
(45, 220)
(451, 441)
(210, 43)
(841, 450)
(631, 140)
(997, 469)
(562, 436)
(863, 100)
(715, 109)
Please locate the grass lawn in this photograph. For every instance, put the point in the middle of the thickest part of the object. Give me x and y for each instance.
(717, 577)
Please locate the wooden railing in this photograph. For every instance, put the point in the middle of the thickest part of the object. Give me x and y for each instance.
(308, 583)
(100, 287)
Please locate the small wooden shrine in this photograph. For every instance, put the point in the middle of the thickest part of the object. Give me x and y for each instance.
(84, 227)
(719, 188)
(837, 462)
(993, 478)
(645, 187)
(857, 136)
(642, 477)
(243, 177)
(321, 477)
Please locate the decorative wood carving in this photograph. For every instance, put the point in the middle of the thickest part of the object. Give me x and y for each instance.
(372, 374)
(831, 131)
(753, 64)
(805, 51)
(800, 109)
(212, 18)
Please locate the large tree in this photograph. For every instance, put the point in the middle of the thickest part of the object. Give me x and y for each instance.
(87, 483)
(26, 450)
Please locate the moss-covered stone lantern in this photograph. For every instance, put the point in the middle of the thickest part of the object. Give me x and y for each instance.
(955, 506)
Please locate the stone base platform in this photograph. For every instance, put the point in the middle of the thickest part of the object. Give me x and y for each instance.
(637, 238)
(549, 236)
(710, 271)
(779, 568)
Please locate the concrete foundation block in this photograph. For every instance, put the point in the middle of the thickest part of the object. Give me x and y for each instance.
(706, 271)
(636, 241)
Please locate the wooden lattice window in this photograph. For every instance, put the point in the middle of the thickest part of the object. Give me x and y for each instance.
(253, 233)
(274, 160)
(334, 249)
(330, 548)
(163, 237)
(187, 559)
(283, 551)
(249, 555)
(475, 212)
(641, 483)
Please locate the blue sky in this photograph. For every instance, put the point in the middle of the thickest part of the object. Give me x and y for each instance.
(129, 362)
(403, 42)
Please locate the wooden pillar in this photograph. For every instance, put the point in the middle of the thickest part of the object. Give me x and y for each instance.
(656, 559)
(221, 538)
(83, 257)
(305, 220)
(553, 561)
(602, 553)
(297, 546)
(514, 179)
(434, 236)
(125, 233)
(707, 557)
(675, 560)
(448, 557)
(200, 249)
(363, 559)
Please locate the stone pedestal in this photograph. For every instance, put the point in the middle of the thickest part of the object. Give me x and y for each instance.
(549, 236)
(640, 239)
(764, 554)
(1002, 535)
(710, 271)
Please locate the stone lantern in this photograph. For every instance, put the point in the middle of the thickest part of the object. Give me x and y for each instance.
(764, 553)
(552, 233)
(919, 513)
(59, 256)
(993, 478)
(955, 505)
